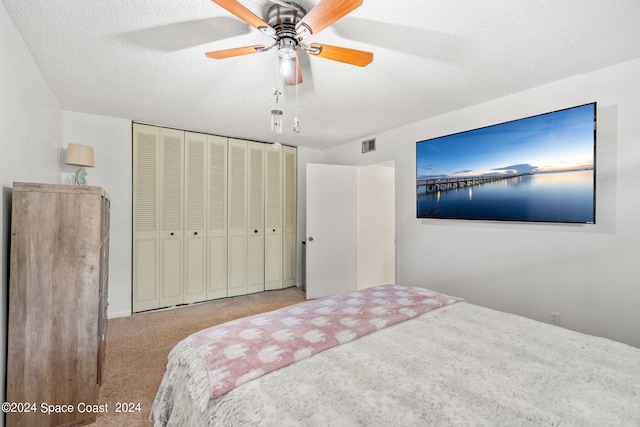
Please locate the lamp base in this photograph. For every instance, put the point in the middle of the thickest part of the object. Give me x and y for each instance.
(81, 177)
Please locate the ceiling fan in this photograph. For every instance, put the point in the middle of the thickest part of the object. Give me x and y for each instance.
(288, 23)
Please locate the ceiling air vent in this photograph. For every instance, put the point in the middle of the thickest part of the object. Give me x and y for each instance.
(369, 145)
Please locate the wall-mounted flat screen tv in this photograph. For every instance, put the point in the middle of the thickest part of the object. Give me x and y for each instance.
(540, 168)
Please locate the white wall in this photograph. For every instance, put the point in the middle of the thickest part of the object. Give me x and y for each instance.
(111, 141)
(31, 129)
(587, 273)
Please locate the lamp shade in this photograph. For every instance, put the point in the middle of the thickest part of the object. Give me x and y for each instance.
(80, 155)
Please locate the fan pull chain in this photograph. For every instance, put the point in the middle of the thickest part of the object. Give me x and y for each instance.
(296, 122)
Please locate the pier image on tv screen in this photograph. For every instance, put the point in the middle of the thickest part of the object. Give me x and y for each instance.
(540, 168)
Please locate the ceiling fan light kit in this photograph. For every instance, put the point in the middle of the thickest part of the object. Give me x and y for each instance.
(287, 49)
(288, 23)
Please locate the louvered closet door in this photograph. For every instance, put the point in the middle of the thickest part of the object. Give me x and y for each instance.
(255, 200)
(146, 196)
(289, 240)
(237, 218)
(195, 203)
(171, 216)
(273, 219)
(217, 217)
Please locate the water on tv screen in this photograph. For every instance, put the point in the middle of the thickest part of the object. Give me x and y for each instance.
(540, 168)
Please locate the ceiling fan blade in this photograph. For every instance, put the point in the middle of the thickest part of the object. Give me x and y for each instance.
(236, 51)
(246, 15)
(341, 54)
(324, 14)
(295, 78)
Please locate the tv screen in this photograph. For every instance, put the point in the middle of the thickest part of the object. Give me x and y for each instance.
(539, 168)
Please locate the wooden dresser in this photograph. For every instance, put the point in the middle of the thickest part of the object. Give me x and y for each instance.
(57, 303)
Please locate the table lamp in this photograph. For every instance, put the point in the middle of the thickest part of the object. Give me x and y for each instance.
(80, 155)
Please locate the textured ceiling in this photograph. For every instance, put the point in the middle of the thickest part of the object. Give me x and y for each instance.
(145, 61)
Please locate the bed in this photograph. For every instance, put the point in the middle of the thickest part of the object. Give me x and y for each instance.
(440, 361)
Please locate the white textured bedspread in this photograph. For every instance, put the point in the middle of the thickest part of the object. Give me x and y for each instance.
(459, 365)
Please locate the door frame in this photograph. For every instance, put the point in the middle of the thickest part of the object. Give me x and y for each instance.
(391, 162)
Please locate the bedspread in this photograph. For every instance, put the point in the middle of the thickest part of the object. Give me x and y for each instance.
(244, 349)
(459, 365)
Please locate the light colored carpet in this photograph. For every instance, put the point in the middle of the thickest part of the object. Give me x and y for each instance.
(137, 348)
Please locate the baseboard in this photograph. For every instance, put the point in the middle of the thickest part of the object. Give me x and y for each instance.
(118, 314)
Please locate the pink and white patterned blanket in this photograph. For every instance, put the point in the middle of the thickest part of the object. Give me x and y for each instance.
(241, 350)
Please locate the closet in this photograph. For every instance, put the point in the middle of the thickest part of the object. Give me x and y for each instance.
(213, 217)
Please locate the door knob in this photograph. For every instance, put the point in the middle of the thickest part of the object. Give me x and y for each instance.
(171, 233)
(195, 233)
(310, 239)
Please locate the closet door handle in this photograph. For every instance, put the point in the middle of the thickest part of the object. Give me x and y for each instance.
(310, 239)
(195, 233)
(255, 231)
(171, 233)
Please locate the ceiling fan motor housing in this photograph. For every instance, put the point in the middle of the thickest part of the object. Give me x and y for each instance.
(283, 20)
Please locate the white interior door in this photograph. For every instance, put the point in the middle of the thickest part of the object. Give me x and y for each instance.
(237, 228)
(195, 196)
(273, 220)
(216, 217)
(255, 217)
(331, 230)
(146, 195)
(289, 240)
(171, 217)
